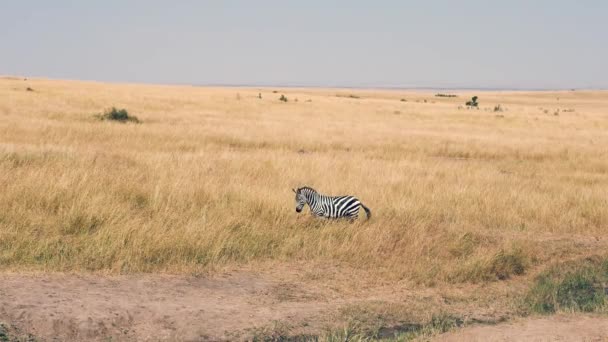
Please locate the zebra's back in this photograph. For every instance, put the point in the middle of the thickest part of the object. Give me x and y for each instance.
(344, 206)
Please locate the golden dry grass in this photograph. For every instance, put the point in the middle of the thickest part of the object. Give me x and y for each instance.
(205, 181)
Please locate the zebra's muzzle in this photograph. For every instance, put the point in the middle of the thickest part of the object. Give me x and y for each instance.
(298, 210)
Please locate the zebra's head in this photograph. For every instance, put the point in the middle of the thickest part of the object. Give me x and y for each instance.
(300, 200)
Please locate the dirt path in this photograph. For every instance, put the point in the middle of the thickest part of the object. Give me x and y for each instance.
(149, 307)
(552, 328)
(231, 306)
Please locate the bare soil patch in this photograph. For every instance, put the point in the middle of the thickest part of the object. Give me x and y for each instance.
(552, 328)
(149, 307)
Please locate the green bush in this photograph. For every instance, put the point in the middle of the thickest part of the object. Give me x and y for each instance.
(580, 292)
(283, 98)
(120, 115)
(473, 102)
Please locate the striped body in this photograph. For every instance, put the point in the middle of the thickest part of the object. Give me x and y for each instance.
(329, 206)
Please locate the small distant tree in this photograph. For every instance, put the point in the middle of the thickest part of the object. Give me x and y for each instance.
(283, 98)
(473, 102)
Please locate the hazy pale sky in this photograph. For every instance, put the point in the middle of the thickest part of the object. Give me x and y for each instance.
(466, 43)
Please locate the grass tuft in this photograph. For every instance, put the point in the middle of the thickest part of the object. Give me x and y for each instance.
(4, 333)
(11, 334)
(501, 266)
(506, 264)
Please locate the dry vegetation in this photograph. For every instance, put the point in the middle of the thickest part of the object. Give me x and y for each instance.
(205, 181)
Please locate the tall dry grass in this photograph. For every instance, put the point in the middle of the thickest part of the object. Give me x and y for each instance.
(205, 180)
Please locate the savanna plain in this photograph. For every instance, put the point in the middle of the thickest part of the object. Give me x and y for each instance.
(182, 225)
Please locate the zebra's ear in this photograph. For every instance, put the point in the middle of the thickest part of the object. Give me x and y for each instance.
(292, 189)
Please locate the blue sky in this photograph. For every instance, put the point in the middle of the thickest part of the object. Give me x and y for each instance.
(466, 43)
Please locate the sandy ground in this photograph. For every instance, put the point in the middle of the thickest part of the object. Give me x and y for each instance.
(149, 307)
(553, 328)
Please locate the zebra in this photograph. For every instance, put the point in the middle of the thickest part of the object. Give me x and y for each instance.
(329, 206)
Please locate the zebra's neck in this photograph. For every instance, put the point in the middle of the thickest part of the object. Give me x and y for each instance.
(313, 198)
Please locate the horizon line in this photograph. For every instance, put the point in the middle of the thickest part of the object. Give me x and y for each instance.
(318, 86)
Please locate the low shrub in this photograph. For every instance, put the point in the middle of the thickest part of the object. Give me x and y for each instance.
(473, 103)
(120, 115)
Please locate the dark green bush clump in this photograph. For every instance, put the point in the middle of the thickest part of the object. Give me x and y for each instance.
(473, 102)
(573, 286)
(283, 98)
(445, 95)
(120, 115)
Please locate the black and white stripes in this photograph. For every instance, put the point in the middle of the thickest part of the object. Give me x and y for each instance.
(329, 206)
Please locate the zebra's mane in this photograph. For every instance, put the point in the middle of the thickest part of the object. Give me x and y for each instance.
(307, 188)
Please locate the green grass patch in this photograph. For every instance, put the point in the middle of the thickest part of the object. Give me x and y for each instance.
(578, 286)
(438, 324)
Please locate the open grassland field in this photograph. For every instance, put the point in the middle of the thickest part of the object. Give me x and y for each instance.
(470, 207)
